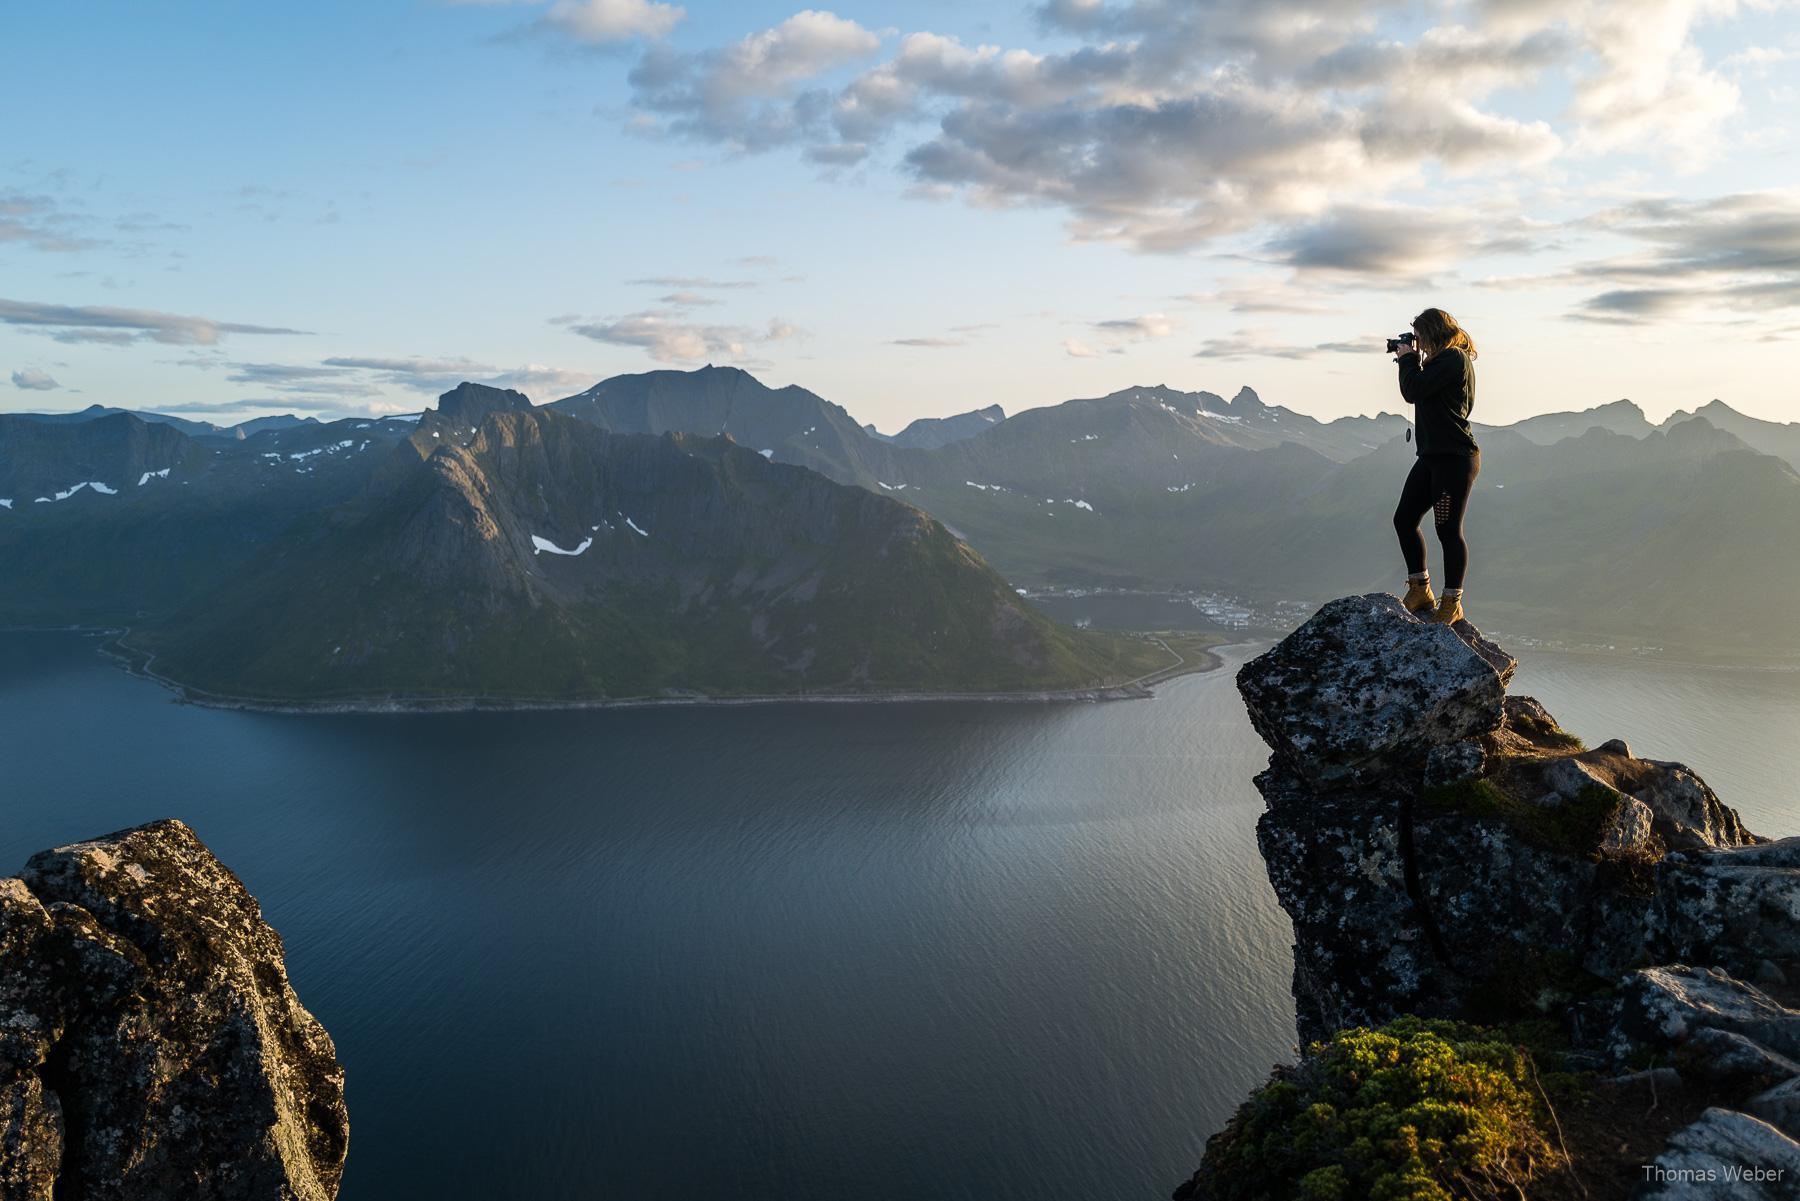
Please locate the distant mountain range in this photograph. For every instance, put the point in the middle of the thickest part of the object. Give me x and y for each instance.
(929, 433)
(107, 519)
(1582, 523)
(1153, 488)
(502, 552)
(194, 429)
(1624, 417)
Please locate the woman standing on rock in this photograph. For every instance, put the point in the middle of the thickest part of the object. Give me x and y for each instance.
(1437, 378)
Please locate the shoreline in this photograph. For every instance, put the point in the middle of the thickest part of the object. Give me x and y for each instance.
(138, 663)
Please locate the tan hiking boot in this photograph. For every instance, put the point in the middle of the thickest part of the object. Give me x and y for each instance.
(1418, 597)
(1448, 611)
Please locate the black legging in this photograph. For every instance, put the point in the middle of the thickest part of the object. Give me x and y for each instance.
(1438, 484)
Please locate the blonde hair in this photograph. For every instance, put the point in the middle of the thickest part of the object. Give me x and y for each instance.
(1438, 330)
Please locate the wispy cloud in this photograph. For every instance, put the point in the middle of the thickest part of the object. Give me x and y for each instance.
(117, 326)
(1692, 258)
(669, 338)
(1148, 328)
(39, 222)
(597, 21)
(592, 22)
(928, 343)
(253, 404)
(433, 375)
(695, 282)
(1259, 344)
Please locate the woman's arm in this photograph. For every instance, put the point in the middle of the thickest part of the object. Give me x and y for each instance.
(1439, 380)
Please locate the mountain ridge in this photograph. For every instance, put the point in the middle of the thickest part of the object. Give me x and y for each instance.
(537, 557)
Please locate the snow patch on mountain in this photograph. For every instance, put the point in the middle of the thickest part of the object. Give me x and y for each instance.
(545, 546)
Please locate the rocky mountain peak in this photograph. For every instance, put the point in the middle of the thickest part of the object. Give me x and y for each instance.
(467, 404)
(1246, 400)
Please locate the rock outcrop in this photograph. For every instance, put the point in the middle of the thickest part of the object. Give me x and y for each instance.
(1446, 850)
(150, 1044)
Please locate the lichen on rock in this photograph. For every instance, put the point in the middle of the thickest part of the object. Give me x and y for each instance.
(1447, 851)
(150, 1042)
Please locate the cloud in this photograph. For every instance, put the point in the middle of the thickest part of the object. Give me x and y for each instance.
(33, 380)
(1077, 349)
(696, 282)
(1259, 295)
(38, 222)
(539, 379)
(115, 326)
(1737, 253)
(1378, 245)
(1169, 125)
(435, 375)
(1651, 88)
(1147, 328)
(249, 404)
(668, 338)
(747, 95)
(593, 22)
(1258, 344)
(687, 299)
(928, 343)
(297, 379)
(411, 368)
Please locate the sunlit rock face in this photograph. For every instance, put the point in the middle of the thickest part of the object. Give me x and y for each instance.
(150, 1043)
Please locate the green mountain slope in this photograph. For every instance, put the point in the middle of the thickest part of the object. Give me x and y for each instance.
(516, 553)
(173, 515)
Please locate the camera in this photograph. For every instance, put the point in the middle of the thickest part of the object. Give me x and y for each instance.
(1405, 339)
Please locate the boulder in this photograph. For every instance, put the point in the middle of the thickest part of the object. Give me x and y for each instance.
(1688, 813)
(1490, 651)
(1446, 850)
(1724, 1154)
(1779, 1106)
(1732, 1064)
(150, 1043)
(1733, 907)
(1662, 1007)
(1365, 687)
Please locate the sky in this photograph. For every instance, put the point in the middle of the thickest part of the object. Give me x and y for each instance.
(913, 209)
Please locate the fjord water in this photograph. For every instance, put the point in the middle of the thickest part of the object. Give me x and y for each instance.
(784, 951)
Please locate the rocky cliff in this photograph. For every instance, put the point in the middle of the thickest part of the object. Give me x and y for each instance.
(1447, 852)
(150, 1044)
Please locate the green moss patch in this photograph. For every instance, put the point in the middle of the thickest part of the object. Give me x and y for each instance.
(1545, 734)
(1574, 827)
(1417, 1110)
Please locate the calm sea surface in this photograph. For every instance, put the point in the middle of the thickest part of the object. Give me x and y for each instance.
(784, 952)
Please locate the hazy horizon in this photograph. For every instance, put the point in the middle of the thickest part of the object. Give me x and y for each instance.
(911, 210)
(231, 418)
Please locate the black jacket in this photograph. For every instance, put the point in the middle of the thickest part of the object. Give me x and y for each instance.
(1442, 394)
